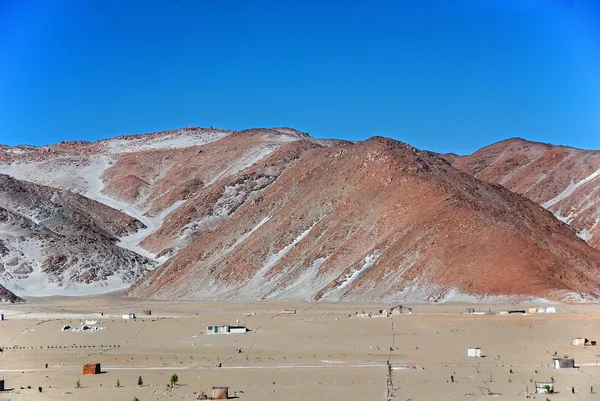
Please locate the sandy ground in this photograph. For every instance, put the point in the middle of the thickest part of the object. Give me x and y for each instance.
(318, 354)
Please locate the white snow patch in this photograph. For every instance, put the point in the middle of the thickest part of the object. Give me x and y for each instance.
(570, 189)
(256, 282)
(181, 139)
(91, 175)
(369, 261)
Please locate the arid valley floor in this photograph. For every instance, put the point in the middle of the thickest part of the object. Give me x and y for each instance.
(320, 353)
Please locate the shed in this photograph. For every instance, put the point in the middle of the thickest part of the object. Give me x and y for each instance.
(129, 316)
(226, 329)
(220, 393)
(400, 310)
(563, 363)
(147, 312)
(541, 309)
(551, 309)
(288, 312)
(474, 352)
(579, 342)
(532, 310)
(238, 329)
(91, 369)
(544, 387)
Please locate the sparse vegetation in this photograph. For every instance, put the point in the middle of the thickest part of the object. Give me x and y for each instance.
(573, 390)
(77, 384)
(136, 399)
(452, 378)
(174, 380)
(140, 381)
(40, 389)
(118, 383)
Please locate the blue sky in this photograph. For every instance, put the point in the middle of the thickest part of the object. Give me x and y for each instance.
(440, 75)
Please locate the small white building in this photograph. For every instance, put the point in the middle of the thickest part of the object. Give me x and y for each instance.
(474, 352)
(578, 342)
(551, 309)
(544, 387)
(288, 312)
(129, 316)
(226, 329)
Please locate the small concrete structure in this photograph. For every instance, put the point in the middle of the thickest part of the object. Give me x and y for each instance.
(563, 363)
(129, 316)
(400, 310)
(226, 329)
(288, 312)
(532, 310)
(544, 387)
(579, 342)
(220, 393)
(363, 314)
(474, 352)
(91, 369)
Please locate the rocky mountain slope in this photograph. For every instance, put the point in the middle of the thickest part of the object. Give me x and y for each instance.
(53, 241)
(274, 213)
(8, 297)
(564, 180)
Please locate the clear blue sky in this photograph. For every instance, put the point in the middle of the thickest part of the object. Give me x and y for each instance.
(440, 75)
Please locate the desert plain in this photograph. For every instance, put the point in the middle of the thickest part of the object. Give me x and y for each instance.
(323, 352)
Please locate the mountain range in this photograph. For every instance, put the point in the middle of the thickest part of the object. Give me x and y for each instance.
(209, 214)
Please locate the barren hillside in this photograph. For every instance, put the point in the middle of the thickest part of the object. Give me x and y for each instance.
(564, 180)
(377, 220)
(56, 242)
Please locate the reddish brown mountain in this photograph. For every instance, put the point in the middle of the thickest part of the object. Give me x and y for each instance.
(564, 180)
(377, 220)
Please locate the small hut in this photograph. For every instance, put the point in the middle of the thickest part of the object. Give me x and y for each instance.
(226, 329)
(532, 310)
(544, 387)
(474, 352)
(579, 342)
(220, 393)
(91, 369)
(563, 363)
(400, 310)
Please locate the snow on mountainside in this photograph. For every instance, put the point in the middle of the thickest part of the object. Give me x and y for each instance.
(58, 242)
(564, 180)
